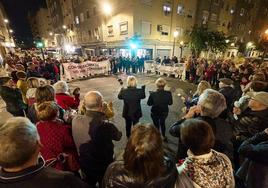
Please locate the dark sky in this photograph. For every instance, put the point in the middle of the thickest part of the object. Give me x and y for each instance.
(17, 11)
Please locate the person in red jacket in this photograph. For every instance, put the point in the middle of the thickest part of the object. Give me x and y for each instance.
(58, 147)
(63, 98)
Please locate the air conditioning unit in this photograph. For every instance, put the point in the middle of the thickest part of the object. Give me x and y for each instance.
(159, 28)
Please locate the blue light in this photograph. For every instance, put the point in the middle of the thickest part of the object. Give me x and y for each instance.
(133, 46)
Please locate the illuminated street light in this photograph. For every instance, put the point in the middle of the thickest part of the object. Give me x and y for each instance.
(176, 34)
(250, 44)
(181, 43)
(266, 32)
(133, 46)
(50, 33)
(232, 44)
(227, 41)
(11, 31)
(6, 20)
(64, 27)
(107, 9)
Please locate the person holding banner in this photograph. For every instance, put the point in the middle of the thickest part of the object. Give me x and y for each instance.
(132, 108)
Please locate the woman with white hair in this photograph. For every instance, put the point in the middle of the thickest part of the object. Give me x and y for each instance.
(63, 98)
(160, 100)
(132, 108)
(210, 105)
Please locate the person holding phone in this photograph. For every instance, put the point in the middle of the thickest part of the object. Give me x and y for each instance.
(132, 108)
(160, 100)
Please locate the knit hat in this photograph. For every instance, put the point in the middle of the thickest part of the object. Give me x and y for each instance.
(226, 81)
(261, 97)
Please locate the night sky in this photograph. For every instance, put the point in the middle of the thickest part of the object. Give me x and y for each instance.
(17, 11)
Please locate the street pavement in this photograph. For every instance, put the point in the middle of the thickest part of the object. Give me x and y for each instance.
(110, 87)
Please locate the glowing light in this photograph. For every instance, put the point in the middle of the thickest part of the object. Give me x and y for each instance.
(107, 9)
(133, 46)
(181, 43)
(50, 33)
(176, 34)
(69, 48)
(6, 20)
(64, 27)
(232, 44)
(266, 32)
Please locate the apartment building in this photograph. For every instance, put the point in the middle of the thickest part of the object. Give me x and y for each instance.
(150, 24)
(6, 40)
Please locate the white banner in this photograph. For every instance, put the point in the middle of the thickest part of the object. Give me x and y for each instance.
(81, 70)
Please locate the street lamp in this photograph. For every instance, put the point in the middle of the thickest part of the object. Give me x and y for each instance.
(175, 35)
(232, 44)
(6, 20)
(266, 32)
(250, 44)
(11, 31)
(64, 27)
(107, 9)
(50, 33)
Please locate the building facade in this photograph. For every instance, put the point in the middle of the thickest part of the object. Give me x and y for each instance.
(6, 40)
(150, 27)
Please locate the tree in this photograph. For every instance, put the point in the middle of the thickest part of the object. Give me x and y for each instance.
(198, 39)
(201, 39)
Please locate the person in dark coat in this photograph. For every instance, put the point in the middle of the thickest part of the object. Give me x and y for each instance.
(32, 72)
(159, 100)
(94, 140)
(132, 108)
(12, 97)
(255, 150)
(144, 163)
(229, 93)
(21, 164)
(210, 105)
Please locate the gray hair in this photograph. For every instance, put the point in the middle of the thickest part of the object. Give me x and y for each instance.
(18, 140)
(61, 87)
(93, 100)
(212, 103)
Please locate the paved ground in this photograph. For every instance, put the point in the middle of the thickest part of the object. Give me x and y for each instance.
(110, 87)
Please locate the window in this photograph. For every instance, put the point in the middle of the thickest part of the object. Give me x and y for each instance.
(77, 20)
(94, 10)
(213, 17)
(180, 9)
(242, 12)
(165, 30)
(123, 26)
(110, 30)
(82, 17)
(146, 28)
(216, 2)
(167, 9)
(205, 17)
(147, 2)
(87, 13)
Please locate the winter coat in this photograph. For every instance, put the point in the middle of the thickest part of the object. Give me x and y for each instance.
(41, 177)
(97, 149)
(13, 100)
(212, 170)
(255, 149)
(66, 101)
(117, 176)
(250, 122)
(159, 100)
(230, 96)
(132, 98)
(56, 138)
(223, 132)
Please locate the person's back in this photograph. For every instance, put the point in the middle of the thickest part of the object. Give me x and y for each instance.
(20, 163)
(41, 177)
(160, 100)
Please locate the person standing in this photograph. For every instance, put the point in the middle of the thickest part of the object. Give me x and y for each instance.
(160, 100)
(132, 108)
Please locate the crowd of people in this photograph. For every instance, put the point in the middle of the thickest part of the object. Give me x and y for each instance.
(56, 139)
